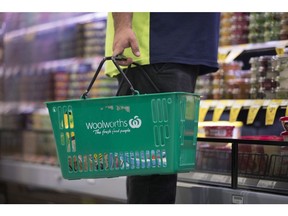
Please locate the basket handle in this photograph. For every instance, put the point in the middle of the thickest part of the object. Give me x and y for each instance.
(145, 74)
(113, 59)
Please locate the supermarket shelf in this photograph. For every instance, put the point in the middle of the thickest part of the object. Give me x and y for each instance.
(263, 185)
(243, 141)
(191, 193)
(232, 52)
(234, 107)
(51, 25)
(49, 177)
(244, 103)
(263, 178)
(71, 63)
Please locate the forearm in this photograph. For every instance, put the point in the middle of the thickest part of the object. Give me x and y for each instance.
(124, 36)
(122, 20)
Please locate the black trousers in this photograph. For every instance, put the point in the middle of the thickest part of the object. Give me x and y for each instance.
(168, 77)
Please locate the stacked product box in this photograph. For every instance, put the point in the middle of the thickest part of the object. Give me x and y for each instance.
(264, 27)
(281, 67)
(71, 83)
(60, 42)
(91, 39)
(204, 86)
(269, 76)
(12, 121)
(229, 82)
(234, 28)
(38, 141)
(67, 42)
(27, 84)
(284, 26)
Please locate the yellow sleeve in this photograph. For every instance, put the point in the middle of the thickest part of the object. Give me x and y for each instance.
(141, 27)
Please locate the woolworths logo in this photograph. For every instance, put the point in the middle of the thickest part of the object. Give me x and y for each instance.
(135, 122)
(114, 127)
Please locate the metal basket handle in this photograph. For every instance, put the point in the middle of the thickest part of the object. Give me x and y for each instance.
(114, 59)
(145, 74)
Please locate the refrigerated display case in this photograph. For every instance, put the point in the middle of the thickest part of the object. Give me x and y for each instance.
(251, 168)
(237, 171)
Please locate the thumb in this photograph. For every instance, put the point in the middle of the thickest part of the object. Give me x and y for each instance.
(117, 52)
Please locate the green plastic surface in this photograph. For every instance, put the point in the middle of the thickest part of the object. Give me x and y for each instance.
(126, 135)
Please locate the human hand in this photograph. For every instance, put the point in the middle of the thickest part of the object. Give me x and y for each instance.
(125, 38)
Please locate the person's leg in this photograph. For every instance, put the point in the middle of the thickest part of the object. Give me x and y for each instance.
(151, 189)
(168, 78)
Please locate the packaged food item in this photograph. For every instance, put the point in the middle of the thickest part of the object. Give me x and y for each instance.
(284, 134)
(284, 122)
(220, 129)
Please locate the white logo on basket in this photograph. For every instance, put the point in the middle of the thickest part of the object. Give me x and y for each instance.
(135, 122)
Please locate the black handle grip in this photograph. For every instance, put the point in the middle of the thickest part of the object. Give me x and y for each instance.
(114, 60)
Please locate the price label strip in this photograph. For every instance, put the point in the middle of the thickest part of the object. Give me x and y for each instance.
(220, 178)
(241, 180)
(219, 109)
(236, 51)
(235, 110)
(204, 107)
(271, 111)
(253, 110)
(201, 176)
(266, 184)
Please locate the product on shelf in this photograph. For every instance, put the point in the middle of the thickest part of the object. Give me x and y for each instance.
(281, 67)
(284, 134)
(71, 82)
(264, 27)
(54, 41)
(220, 129)
(234, 28)
(256, 30)
(284, 26)
(91, 38)
(269, 76)
(284, 122)
(254, 27)
(204, 86)
(272, 26)
(229, 82)
(27, 84)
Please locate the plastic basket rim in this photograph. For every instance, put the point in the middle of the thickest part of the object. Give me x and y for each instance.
(124, 96)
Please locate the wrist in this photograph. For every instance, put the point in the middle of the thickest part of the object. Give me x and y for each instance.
(122, 21)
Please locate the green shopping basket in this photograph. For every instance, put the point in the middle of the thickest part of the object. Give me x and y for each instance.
(138, 134)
